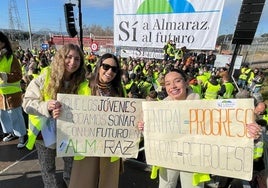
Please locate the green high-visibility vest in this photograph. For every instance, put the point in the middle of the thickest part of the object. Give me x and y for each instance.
(8, 88)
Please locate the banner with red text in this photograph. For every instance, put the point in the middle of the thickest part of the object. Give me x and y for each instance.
(207, 136)
(147, 23)
(98, 126)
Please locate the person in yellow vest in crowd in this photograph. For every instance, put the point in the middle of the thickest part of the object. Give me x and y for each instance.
(211, 89)
(100, 172)
(147, 68)
(142, 62)
(156, 77)
(128, 81)
(125, 81)
(169, 50)
(11, 116)
(227, 88)
(145, 86)
(251, 76)
(207, 72)
(166, 57)
(65, 75)
(137, 68)
(201, 78)
(134, 92)
(260, 151)
(34, 51)
(197, 88)
(156, 73)
(179, 53)
(257, 81)
(43, 63)
(243, 77)
(160, 89)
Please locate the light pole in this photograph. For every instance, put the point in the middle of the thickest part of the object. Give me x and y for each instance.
(29, 25)
(80, 25)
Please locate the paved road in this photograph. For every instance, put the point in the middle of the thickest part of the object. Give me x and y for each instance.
(20, 169)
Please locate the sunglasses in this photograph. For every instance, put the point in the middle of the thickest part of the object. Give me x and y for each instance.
(107, 67)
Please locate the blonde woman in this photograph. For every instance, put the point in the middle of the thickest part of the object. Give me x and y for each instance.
(65, 75)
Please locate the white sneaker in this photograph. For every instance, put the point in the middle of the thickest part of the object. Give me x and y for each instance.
(9, 138)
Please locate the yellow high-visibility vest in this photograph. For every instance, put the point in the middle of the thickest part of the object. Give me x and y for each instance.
(36, 122)
(8, 88)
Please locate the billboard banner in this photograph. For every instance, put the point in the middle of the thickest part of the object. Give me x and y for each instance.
(146, 23)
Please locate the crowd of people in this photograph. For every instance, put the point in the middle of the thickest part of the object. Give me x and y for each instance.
(27, 75)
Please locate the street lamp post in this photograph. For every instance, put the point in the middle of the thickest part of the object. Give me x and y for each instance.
(29, 24)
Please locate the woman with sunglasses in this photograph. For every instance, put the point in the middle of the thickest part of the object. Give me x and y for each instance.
(177, 89)
(100, 172)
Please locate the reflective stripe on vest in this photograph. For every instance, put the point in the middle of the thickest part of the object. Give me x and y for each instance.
(35, 126)
(258, 150)
(8, 88)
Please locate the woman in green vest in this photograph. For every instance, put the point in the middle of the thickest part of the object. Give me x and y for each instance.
(100, 172)
(65, 75)
(11, 117)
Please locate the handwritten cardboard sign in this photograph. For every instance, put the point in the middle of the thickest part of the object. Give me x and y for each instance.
(206, 136)
(98, 126)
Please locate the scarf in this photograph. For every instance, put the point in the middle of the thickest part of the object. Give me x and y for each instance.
(105, 89)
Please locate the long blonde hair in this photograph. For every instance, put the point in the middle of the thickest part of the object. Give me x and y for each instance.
(56, 82)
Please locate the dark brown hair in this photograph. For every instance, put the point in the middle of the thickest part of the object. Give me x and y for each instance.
(116, 82)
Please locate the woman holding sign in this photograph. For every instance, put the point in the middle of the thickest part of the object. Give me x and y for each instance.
(177, 89)
(100, 172)
(66, 75)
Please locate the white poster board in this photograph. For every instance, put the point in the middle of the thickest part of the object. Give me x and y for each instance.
(207, 136)
(98, 126)
(222, 60)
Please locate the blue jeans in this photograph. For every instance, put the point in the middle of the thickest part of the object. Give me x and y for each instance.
(242, 83)
(12, 121)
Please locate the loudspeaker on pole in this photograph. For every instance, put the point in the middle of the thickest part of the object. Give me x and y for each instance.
(248, 21)
(70, 20)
